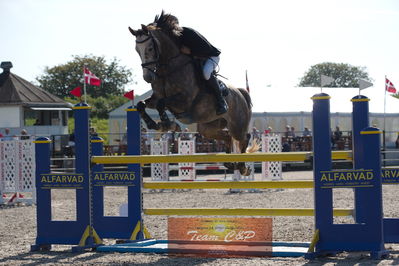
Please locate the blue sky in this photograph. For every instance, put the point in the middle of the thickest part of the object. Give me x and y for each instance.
(276, 41)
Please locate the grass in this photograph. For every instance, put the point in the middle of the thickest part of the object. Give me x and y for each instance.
(100, 125)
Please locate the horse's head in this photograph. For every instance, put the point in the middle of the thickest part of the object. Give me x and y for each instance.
(147, 48)
(156, 44)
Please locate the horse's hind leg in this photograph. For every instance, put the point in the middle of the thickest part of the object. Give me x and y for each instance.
(243, 144)
(216, 130)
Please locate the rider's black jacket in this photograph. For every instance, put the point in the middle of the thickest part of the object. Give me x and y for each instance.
(197, 43)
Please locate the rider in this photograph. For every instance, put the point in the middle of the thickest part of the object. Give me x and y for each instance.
(193, 43)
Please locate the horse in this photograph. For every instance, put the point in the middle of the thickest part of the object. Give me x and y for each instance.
(177, 87)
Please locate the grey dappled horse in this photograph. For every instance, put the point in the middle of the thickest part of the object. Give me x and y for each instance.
(177, 86)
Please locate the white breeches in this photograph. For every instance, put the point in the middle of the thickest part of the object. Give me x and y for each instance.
(209, 66)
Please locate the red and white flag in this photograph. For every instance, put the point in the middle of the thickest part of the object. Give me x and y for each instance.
(91, 79)
(389, 87)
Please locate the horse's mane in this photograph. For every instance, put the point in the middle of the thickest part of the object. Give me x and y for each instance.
(168, 23)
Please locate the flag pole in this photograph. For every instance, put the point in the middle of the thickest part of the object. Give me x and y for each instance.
(383, 131)
(84, 83)
(385, 99)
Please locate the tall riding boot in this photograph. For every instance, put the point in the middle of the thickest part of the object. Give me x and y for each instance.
(221, 105)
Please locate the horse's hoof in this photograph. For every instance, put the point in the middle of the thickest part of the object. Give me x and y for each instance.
(246, 171)
(152, 125)
(230, 166)
(140, 106)
(166, 125)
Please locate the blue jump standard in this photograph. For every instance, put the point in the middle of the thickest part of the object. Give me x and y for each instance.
(369, 232)
(278, 249)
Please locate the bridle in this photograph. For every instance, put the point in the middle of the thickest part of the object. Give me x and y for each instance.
(156, 63)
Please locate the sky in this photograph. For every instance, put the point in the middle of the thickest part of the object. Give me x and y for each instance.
(275, 41)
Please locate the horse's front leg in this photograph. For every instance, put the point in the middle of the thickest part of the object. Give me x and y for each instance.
(151, 124)
(162, 104)
(161, 108)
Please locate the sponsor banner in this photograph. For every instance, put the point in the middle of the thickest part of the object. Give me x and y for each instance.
(390, 175)
(123, 178)
(346, 178)
(220, 237)
(66, 181)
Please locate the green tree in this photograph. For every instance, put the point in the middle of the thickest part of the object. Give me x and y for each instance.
(60, 80)
(344, 75)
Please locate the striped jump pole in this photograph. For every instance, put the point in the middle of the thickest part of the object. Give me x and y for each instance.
(242, 212)
(216, 157)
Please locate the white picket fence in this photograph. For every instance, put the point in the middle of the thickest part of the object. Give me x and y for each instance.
(272, 170)
(17, 171)
(187, 171)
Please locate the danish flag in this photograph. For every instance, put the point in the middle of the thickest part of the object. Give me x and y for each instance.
(91, 79)
(389, 87)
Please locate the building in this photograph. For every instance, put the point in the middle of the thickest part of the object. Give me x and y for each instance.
(276, 120)
(299, 120)
(26, 106)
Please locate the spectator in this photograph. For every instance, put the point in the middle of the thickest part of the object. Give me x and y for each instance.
(93, 132)
(185, 135)
(307, 132)
(69, 150)
(198, 137)
(288, 132)
(167, 136)
(286, 147)
(336, 137)
(337, 134)
(7, 136)
(293, 132)
(255, 133)
(37, 123)
(146, 137)
(24, 135)
(397, 142)
(268, 131)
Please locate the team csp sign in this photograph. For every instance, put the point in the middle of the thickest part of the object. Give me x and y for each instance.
(356, 178)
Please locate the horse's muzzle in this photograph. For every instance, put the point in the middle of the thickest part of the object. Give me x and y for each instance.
(149, 77)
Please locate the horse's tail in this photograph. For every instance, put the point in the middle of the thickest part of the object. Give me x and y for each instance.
(254, 147)
(245, 93)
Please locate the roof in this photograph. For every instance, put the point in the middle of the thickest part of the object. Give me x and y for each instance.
(15, 90)
(120, 112)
